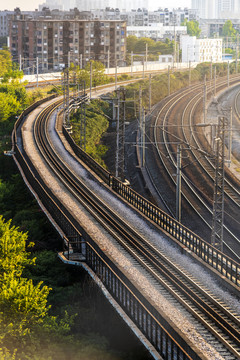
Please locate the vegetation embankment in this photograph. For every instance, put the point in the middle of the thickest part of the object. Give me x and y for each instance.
(97, 123)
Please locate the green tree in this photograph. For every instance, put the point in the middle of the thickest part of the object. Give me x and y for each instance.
(5, 62)
(131, 42)
(8, 70)
(9, 106)
(140, 46)
(228, 29)
(192, 27)
(98, 73)
(23, 305)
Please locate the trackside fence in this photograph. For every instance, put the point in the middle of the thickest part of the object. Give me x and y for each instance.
(215, 258)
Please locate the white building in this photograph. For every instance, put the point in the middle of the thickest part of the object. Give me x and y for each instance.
(200, 50)
(87, 5)
(156, 32)
(165, 58)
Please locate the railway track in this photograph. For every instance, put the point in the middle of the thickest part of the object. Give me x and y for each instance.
(215, 316)
(173, 123)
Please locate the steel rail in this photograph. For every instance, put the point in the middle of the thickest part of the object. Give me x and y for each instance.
(195, 100)
(230, 190)
(137, 248)
(173, 101)
(199, 160)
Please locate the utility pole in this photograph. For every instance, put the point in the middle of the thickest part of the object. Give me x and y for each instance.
(142, 143)
(215, 79)
(84, 114)
(68, 112)
(218, 198)
(228, 74)
(83, 120)
(177, 52)
(178, 183)
(90, 92)
(80, 61)
(204, 100)
(142, 137)
(134, 99)
(174, 56)
(120, 133)
(146, 54)
(211, 69)
(69, 59)
(64, 97)
(116, 74)
(237, 50)
(37, 69)
(189, 78)
(169, 81)
(117, 137)
(131, 63)
(108, 60)
(81, 126)
(230, 137)
(20, 62)
(150, 92)
(140, 103)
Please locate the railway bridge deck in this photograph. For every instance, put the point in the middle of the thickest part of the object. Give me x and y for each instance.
(114, 259)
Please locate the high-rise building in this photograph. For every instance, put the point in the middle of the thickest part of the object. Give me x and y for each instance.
(217, 9)
(206, 8)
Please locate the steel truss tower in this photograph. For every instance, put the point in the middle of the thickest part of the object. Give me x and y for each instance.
(218, 198)
(120, 133)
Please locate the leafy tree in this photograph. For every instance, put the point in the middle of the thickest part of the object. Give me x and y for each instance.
(192, 27)
(140, 46)
(8, 70)
(98, 69)
(9, 106)
(131, 43)
(228, 29)
(5, 62)
(23, 305)
(83, 75)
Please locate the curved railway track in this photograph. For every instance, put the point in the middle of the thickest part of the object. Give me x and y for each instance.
(172, 123)
(215, 316)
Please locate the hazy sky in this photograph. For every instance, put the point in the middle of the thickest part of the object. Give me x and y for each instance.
(33, 4)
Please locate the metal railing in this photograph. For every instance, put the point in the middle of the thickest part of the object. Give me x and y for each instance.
(205, 251)
(215, 258)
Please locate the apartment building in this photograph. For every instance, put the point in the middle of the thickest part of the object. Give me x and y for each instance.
(55, 43)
